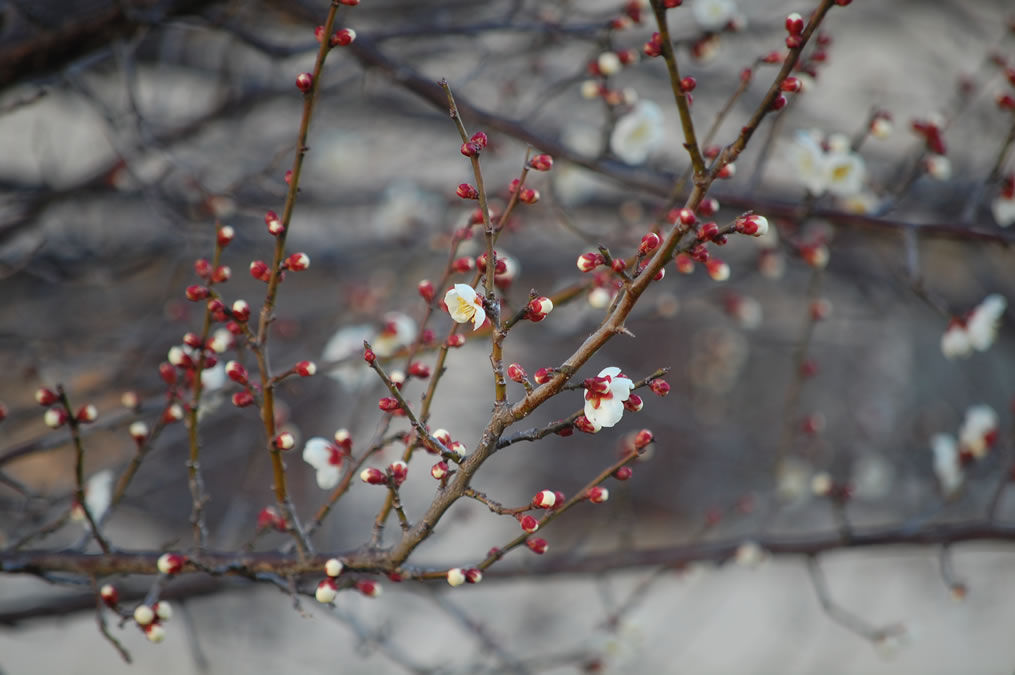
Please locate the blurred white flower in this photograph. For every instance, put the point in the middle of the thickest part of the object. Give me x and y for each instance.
(571, 183)
(402, 205)
(983, 323)
(978, 431)
(326, 458)
(465, 305)
(947, 464)
(638, 133)
(938, 167)
(713, 15)
(605, 396)
(837, 170)
(1003, 207)
(397, 331)
(98, 497)
(976, 331)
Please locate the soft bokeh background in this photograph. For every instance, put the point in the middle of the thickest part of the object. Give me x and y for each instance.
(106, 183)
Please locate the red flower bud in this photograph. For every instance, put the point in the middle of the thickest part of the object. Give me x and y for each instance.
(196, 293)
(528, 523)
(649, 243)
(541, 163)
(537, 545)
(426, 291)
(466, 191)
(304, 81)
(516, 373)
(242, 399)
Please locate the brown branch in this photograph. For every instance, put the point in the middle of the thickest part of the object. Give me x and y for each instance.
(249, 565)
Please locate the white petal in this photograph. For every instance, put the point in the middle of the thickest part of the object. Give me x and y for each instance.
(328, 476)
(1004, 211)
(638, 133)
(611, 371)
(809, 161)
(99, 493)
(845, 174)
(713, 14)
(317, 452)
(621, 388)
(607, 414)
(478, 318)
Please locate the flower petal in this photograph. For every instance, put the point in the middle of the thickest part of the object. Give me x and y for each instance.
(607, 414)
(317, 452)
(328, 476)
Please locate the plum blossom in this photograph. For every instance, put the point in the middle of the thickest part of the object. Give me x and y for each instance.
(397, 331)
(713, 15)
(976, 331)
(1003, 207)
(98, 496)
(465, 305)
(827, 165)
(605, 396)
(326, 458)
(947, 464)
(638, 133)
(978, 431)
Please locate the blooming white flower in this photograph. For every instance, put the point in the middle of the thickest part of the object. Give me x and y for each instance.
(713, 15)
(609, 63)
(938, 167)
(809, 160)
(976, 331)
(98, 496)
(638, 133)
(844, 173)
(398, 330)
(947, 464)
(978, 430)
(605, 396)
(955, 341)
(465, 305)
(838, 171)
(1003, 207)
(326, 458)
(983, 323)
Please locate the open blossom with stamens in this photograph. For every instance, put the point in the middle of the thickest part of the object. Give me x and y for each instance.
(465, 305)
(836, 170)
(326, 458)
(605, 395)
(638, 133)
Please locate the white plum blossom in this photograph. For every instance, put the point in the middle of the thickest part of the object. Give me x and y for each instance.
(465, 305)
(326, 459)
(638, 133)
(98, 497)
(1003, 207)
(397, 331)
(978, 430)
(983, 323)
(713, 15)
(976, 331)
(947, 463)
(605, 396)
(836, 170)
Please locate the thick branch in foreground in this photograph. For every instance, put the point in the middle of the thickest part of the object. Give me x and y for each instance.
(251, 565)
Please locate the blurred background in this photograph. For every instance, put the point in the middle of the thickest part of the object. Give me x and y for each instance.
(128, 128)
